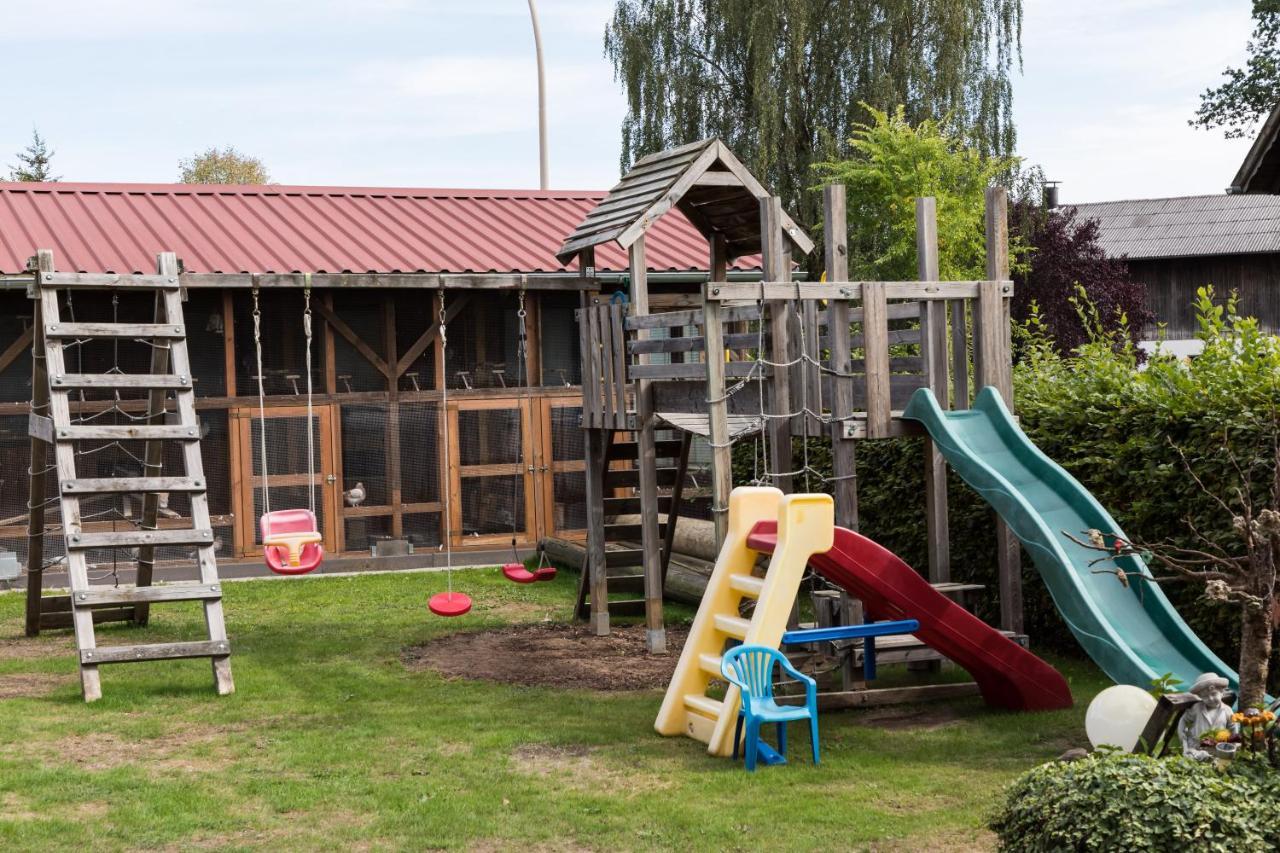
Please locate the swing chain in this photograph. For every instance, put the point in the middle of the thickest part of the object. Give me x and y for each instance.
(444, 404)
(311, 441)
(262, 410)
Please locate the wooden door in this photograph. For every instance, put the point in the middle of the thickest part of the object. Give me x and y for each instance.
(491, 471)
(287, 468)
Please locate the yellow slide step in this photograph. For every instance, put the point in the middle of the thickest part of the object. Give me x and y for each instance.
(747, 584)
(734, 626)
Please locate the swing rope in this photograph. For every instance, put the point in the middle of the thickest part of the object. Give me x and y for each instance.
(311, 441)
(444, 402)
(262, 411)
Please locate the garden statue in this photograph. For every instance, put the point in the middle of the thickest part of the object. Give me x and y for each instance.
(1210, 714)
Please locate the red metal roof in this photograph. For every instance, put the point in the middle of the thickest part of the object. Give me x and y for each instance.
(219, 228)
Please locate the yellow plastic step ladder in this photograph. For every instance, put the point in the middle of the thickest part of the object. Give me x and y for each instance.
(806, 526)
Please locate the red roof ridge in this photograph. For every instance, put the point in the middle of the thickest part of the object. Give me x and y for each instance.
(58, 187)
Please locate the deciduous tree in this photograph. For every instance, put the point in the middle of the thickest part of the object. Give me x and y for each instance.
(1252, 92)
(223, 166)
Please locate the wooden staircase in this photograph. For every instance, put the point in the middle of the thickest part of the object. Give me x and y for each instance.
(622, 551)
(52, 426)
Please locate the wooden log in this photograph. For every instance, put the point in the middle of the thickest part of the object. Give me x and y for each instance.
(844, 455)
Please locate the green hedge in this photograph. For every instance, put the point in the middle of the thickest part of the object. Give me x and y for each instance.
(1111, 425)
(1118, 802)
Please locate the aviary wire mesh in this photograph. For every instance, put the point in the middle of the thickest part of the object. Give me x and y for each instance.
(288, 469)
(283, 345)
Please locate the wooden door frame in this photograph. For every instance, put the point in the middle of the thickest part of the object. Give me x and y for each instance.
(548, 466)
(241, 422)
(456, 470)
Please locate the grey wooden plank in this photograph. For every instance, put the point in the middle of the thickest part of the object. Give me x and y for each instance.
(693, 317)
(876, 332)
(127, 485)
(139, 538)
(156, 651)
(100, 281)
(619, 360)
(959, 353)
(668, 199)
(121, 380)
(114, 330)
(695, 370)
(41, 439)
(141, 432)
(138, 594)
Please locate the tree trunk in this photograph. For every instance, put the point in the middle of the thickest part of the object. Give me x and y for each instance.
(1255, 656)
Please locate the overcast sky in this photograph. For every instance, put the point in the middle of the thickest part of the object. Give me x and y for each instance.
(442, 92)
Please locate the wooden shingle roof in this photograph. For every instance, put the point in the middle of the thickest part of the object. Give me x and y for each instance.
(704, 180)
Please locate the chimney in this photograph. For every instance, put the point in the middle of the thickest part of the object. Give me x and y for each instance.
(1051, 194)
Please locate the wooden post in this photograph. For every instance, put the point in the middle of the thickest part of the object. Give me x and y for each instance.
(229, 343)
(933, 346)
(718, 408)
(394, 486)
(776, 256)
(330, 355)
(843, 456)
(594, 449)
(651, 543)
(39, 487)
(991, 333)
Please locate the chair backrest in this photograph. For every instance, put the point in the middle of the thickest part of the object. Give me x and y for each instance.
(751, 668)
(287, 521)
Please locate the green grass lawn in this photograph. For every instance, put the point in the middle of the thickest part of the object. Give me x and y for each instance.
(330, 742)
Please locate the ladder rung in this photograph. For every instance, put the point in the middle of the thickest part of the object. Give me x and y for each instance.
(631, 477)
(631, 506)
(142, 432)
(704, 705)
(710, 663)
(114, 330)
(665, 449)
(146, 381)
(144, 594)
(624, 558)
(108, 280)
(125, 485)
(627, 607)
(138, 538)
(628, 532)
(65, 619)
(747, 584)
(155, 651)
(734, 626)
(626, 583)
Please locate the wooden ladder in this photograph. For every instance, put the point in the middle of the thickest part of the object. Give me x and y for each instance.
(53, 426)
(632, 557)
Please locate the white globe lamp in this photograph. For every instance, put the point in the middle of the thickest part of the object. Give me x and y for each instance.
(1117, 715)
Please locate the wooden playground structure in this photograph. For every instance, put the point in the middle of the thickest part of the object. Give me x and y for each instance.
(834, 360)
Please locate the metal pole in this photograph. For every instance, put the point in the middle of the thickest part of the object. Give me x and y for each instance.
(542, 99)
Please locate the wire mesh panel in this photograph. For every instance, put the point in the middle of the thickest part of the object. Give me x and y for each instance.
(415, 314)
(364, 315)
(15, 458)
(206, 336)
(15, 321)
(568, 511)
(492, 490)
(561, 353)
(283, 345)
(484, 339)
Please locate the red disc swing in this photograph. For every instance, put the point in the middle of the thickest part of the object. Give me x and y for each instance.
(515, 571)
(448, 603)
(290, 537)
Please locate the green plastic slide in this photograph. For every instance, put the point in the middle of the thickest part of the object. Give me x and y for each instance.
(1131, 631)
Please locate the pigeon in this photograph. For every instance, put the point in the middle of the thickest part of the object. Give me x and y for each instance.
(355, 495)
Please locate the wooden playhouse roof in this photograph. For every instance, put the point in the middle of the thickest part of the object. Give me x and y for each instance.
(703, 180)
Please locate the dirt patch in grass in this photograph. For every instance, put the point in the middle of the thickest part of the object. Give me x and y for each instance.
(580, 768)
(568, 656)
(17, 646)
(924, 719)
(977, 841)
(188, 749)
(30, 685)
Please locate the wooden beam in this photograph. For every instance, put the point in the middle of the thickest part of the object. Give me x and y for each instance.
(844, 454)
(777, 265)
(991, 333)
(567, 281)
(39, 483)
(428, 337)
(933, 346)
(229, 343)
(721, 451)
(340, 326)
(640, 223)
(655, 631)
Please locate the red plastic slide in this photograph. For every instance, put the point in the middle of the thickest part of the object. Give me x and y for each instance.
(1008, 675)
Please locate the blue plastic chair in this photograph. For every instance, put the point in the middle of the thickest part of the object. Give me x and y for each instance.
(751, 669)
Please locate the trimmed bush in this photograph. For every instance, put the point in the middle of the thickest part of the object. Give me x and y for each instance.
(1118, 802)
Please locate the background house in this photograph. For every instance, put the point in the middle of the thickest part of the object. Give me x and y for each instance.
(1230, 240)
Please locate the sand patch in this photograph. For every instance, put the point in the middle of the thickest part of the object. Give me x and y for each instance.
(31, 685)
(582, 769)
